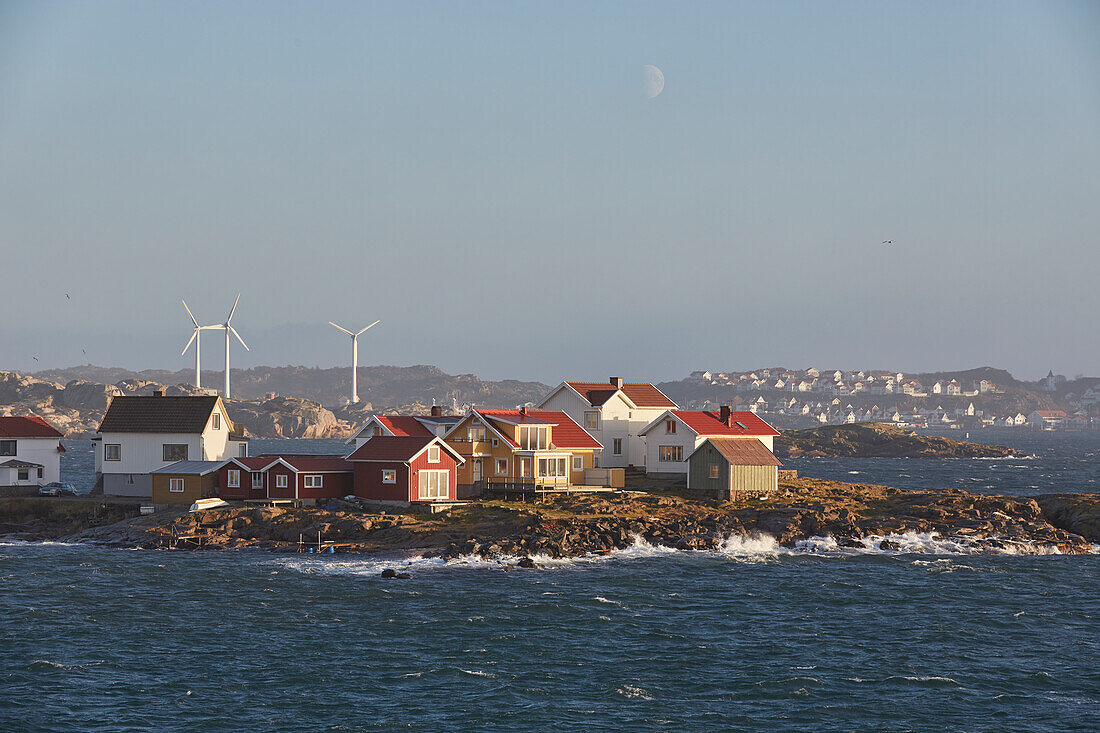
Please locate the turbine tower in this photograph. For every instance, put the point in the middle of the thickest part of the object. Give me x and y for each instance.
(196, 337)
(354, 359)
(228, 326)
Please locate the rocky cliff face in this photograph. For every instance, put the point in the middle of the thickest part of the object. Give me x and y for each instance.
(287, 417)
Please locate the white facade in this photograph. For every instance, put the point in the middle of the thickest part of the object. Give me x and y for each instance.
(615, 424)
(664, 442)
(41, 451)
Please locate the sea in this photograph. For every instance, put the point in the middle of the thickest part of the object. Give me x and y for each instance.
(751, 637)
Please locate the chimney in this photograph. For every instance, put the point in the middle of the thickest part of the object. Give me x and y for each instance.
(617, 382)
(158, 392)
(726, 416)
(523, 409)
(437, 411)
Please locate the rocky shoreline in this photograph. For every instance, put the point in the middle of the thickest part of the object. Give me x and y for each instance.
(879, 440)
(852, 515)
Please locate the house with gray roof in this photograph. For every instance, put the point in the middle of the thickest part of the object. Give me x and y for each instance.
(140, 434)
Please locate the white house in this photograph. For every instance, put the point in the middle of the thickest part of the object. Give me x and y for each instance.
(30, 452)
(675, 434)
(140, 434)
(614, 413)
(419, 426)
(1047, 419)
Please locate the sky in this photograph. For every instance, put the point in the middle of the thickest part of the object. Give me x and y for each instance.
(492, 182)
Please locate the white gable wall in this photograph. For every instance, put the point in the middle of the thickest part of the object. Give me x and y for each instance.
(42, 451)
(617, 420)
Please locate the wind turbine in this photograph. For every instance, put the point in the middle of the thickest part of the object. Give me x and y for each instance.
(195, 337)
(354, 359)
(228, 326)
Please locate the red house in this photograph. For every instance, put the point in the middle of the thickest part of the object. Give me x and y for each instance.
(406, 469)
(303, 478)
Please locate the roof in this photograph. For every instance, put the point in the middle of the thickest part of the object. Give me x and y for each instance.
(16, 463)
(709, 422)
(742, 452)
(306, 463)
(141, 414)
(642, 394)
(30, 426)
(1051, 413)
(197, 468)
(404, 425)
(566, 434)
(398, 449)
(252, 463)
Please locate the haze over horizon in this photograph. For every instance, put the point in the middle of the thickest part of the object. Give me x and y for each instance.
(493, 183)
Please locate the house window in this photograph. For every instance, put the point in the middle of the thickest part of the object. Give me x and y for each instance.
(475, 433)
(7, 447)
(578, 463)
(433, 454)
(312, 482)
(670, 453)
(433, 484)
(714, 470)
(496, 441)
(740, 425)
(552, 467)
(389, 476)
(242, 450)
(40, 473)
(617, 446)
(234, 478)
(591, 419)
(175, 485)
(257, 479)
(216, 421)
(534, 437)
(502, 467)
(24, 474)
(112, 452)
(174, 451)
(670, 427)
(280, 481)
(377, 431)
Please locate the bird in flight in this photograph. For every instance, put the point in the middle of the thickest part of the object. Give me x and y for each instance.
(887, 241)
(67, 297)
(35, 358)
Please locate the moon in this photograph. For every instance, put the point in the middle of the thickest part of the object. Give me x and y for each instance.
(654, 81)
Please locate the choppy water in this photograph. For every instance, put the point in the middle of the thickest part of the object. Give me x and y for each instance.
(755, 637)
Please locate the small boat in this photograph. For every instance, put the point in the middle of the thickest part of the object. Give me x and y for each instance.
(204, 504)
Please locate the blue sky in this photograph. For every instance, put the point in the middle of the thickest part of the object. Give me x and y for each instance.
(490, 180)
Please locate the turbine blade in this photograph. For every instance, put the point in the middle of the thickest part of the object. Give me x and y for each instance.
(234, 308)
(190, 314)
(234, 332)
(341, 328)
(370, 326)
(194, 336)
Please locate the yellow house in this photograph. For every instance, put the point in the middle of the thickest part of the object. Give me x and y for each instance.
(542, 447)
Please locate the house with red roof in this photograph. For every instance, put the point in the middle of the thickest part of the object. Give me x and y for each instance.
(1047, 419)
(613, 413)
(542, 447)
(674, 436)
(406, 469)
(301, 478)
(413, 426)
(30, 451)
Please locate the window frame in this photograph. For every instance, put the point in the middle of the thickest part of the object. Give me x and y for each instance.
(14, 447)
(173, 483)
(617, 446)
(498, 463)
(281, 481)
(216, 421)
(389, 475)
(233, 478)
(578, 458)
(253, 484)
(164, 448)
(442, 484)
(670, 427)
(592, 414)
(715, 471)
(666, 453)
(107, 451)
(23, 475)
(433, 453)
(313, 481)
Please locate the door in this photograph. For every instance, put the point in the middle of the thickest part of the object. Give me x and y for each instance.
(475, 470)
(525, 468)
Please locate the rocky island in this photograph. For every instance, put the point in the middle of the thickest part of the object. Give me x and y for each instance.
(879, 440)
(830, 513)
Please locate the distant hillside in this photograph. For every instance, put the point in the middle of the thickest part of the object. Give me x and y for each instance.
(380, 387)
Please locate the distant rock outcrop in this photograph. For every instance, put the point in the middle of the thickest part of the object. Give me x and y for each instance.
(287, 417)
(878, 440)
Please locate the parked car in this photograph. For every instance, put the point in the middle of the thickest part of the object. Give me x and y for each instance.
(57, 488)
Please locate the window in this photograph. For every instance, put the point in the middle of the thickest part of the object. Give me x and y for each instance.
(234, 478)
(257, 479)
(174, 451)
(7, 447)
(496, 441)
(740, 424)
(534, 437)
(433, 484)
(617, 446)
(670, 453)
(216, 421)
(312, 482)
(670, 427)
(389, 476)
(578, 463)
(112, 452)
(377, 431)
(475, 433)
(280, 481)
(591, 419)
(242, 450)
(433, 454)
(552, 467)
(24, 474)
(714, 468)
(40, 473)
(502, 467)
(175, 485)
